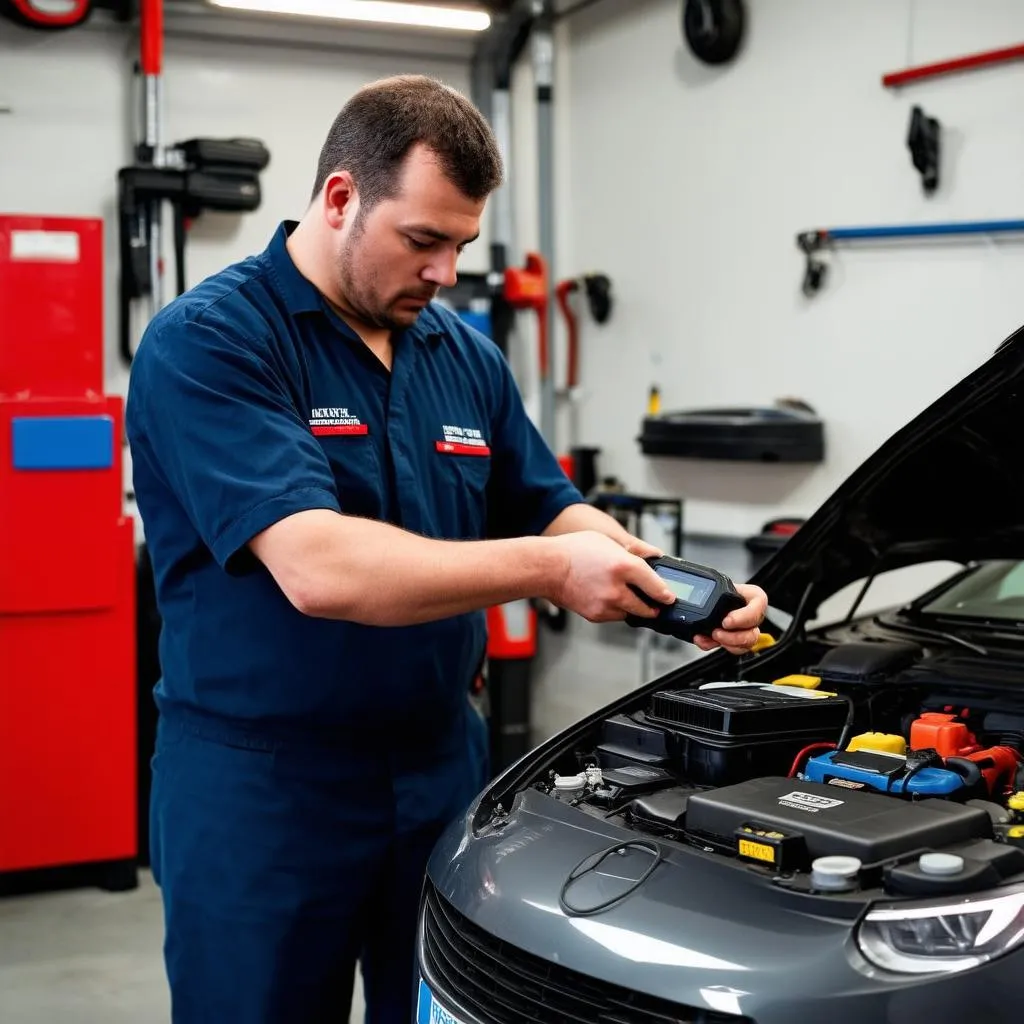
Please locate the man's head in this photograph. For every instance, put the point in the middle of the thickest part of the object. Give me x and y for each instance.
(403, 178)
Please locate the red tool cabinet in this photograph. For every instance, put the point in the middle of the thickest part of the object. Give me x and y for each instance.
(67, 578)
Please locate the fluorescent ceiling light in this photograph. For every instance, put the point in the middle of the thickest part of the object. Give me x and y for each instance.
(378, 11)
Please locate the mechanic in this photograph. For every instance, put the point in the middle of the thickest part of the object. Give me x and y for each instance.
(336, 477)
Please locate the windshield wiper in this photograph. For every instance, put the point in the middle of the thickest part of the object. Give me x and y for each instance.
(934, 634)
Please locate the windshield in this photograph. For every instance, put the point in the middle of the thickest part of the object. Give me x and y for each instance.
(994, 591)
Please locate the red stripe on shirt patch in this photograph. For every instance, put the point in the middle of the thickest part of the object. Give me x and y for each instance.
(454, 448)
(347, 429)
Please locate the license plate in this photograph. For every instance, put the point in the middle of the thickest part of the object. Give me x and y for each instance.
(430, 1011)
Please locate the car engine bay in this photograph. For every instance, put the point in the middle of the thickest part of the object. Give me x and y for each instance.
(859, 771)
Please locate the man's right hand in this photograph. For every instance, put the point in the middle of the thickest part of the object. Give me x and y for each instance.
(596, 583)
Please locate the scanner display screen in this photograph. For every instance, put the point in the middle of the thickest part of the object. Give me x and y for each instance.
(694, 590)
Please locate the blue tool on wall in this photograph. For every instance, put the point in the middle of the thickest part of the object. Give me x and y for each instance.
(813, 242)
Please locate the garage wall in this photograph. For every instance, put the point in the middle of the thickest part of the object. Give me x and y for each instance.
(688, 186)
(72, 110)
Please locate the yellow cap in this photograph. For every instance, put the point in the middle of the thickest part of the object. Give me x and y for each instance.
(806, 682)
(1017, 832)
(1016, 802)
(884, 743)
(764, 641)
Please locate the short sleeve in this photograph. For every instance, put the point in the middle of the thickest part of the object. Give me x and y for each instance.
(213, 416)
(528, 488)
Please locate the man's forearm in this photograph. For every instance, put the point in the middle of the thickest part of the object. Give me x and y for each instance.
(582, 516)
(361, 570)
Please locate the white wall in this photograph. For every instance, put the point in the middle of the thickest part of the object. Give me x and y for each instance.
(72, 125)
(70, 129)
(688, 186)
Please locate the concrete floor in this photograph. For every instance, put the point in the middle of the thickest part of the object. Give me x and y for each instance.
(88, 957)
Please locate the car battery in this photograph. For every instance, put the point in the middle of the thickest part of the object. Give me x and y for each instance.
(887, 773)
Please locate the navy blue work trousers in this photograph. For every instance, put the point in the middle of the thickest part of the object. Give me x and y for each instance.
(282, 864)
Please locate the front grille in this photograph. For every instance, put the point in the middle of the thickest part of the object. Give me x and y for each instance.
(501, 984)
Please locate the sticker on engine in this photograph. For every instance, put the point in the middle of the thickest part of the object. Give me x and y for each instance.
(847, 783)
(757, 851)
(810, 802)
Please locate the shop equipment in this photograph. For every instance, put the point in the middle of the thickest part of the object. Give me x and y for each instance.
(789, 431)
(67, 565)
(704, 598)
(924, 140)
(813, 242)
(714, 29)
(971, 62)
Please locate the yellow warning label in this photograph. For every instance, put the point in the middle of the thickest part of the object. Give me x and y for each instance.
(759, 851)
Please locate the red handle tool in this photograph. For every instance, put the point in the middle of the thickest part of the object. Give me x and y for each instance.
(527, 288)
(562, 292)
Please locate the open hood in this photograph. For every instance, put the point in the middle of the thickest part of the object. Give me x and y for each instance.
(947, 486)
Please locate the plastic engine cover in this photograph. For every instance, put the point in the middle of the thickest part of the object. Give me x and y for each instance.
(835, 821)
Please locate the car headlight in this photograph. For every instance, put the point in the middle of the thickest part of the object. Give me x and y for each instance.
(941, 936)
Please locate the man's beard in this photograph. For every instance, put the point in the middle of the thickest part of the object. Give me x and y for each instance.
(361, 296)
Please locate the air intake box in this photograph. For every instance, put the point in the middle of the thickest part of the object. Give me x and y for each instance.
(721, 735)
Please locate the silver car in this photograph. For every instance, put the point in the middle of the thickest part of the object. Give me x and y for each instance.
(830, 829)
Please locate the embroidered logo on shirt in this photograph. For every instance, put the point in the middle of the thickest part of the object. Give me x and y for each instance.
(462, 441)
(332, 420)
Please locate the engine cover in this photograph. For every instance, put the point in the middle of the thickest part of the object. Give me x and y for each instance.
(829, 822)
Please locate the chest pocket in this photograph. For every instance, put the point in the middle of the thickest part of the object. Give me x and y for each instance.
(357, 473)
(464, 478)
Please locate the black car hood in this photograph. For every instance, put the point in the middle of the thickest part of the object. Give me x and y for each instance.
(947, 486)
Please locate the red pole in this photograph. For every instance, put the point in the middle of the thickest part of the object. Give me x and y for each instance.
(945, 67)
(152, 21)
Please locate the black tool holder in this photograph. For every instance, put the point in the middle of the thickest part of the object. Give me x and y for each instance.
(198, 175)
(924, 142)
(810, 243)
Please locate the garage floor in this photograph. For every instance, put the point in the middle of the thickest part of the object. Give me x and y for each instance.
(86, 956)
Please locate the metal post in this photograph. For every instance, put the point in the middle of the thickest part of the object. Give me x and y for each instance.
(154, 146)
(504, 219)
(543, 52)
(152, 41)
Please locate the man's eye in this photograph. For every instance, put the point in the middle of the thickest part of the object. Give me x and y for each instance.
(418, 245)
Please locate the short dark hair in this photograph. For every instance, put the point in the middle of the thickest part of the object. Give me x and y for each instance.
(372, 135)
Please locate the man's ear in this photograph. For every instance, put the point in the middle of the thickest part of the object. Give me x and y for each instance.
(341, 199)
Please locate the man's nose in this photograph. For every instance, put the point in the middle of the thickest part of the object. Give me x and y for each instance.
(442, 270)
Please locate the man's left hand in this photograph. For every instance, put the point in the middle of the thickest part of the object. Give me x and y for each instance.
(739, 631)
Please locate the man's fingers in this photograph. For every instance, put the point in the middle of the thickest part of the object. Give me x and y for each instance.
(752, 614)
(641, 575)
(633, 605)
(736, 641)
(642, 549)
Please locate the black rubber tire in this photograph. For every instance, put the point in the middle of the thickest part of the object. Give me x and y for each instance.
(714, 29)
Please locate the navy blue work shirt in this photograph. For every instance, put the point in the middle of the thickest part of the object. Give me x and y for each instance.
(250, 400)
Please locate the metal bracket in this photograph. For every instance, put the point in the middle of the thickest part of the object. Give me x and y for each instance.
(811, 243)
